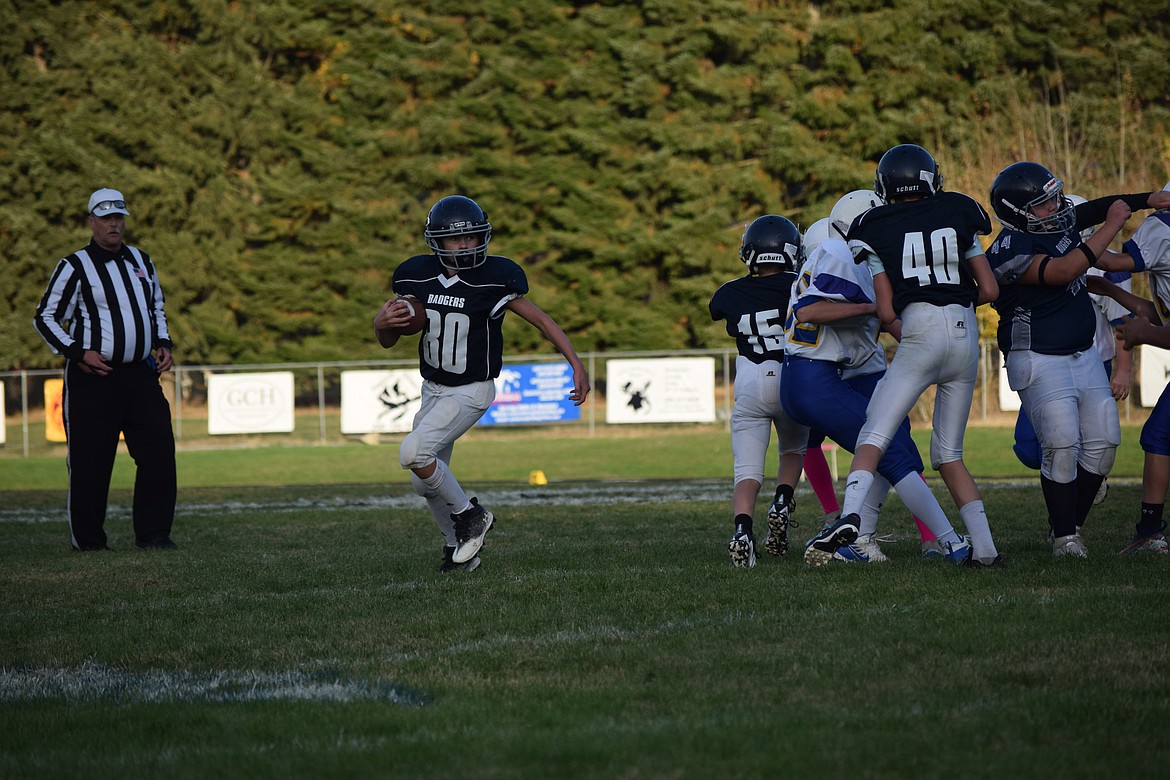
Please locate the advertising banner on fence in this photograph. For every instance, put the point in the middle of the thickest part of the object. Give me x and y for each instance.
(529, 393)
(379, 401)
(250, 403)
(1155, 372)
(660, 390)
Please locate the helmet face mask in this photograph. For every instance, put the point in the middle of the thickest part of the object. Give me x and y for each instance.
(453, 216)
(1024, 188)
(771, 240)
(906, 170)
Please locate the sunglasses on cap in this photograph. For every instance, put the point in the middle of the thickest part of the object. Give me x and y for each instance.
(106, 205)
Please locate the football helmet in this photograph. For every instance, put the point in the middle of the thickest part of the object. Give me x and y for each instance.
(906, 169)
(816, 233)
(1020, 188)
(456, 215)
(850, 207)
(771, 239)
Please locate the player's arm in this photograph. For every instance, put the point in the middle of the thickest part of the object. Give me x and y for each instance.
(548, 326)
(1140, 331)
(1121, 380)
(984, 277)
(1099, 285)
(1059, 271)
(390, 320)
(822, 311)
(883, 293)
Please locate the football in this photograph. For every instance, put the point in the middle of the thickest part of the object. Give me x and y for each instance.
(418, 315)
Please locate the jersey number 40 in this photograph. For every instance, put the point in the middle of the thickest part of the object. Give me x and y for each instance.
(937, 263)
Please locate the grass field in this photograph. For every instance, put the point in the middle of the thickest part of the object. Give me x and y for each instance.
(303, 630)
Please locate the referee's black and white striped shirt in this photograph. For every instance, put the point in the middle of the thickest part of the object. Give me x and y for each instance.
(110, 302)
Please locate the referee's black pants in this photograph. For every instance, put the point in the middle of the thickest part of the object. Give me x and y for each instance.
(128, 400)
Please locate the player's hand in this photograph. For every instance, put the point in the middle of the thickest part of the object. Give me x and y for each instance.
(1119, 212)
(394, 315)
(580, 389)
(1119, 386)
(92, 362)
(1160, 200)
(1134, 332)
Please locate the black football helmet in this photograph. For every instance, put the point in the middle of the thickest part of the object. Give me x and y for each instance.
(1020, 188)
(771, 239)
(456, 215)
(906, 169)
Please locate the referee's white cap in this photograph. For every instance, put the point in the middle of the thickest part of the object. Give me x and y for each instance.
(106, 201)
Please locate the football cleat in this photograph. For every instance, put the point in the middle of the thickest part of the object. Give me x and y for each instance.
(471, 526)
(1071, 546)
(1153, 542)
(819, 550)
(742, 548)
(931, 549)
(864, 550)
(448, 566)
(957, 552)
(983, 563)
(779, 520)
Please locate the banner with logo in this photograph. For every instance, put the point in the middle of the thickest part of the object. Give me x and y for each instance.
(533, 393)
(660, 390)
(250, 403)
(379, 401)
(1154, 374)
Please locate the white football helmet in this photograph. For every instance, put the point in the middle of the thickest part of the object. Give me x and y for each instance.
(816, 233)
(850, 207)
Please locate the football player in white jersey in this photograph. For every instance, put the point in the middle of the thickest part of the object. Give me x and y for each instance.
(753, 308)
(466, 293)
(929, 273)
(1148, 251)
(832, 363)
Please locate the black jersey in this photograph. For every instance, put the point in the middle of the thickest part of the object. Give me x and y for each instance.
(1041, 318)
(922, 245)
(754, 308)
(463, 339)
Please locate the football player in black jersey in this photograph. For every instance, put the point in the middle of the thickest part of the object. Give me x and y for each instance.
(930, 272)
(754, 308)
(1046, 330)
(466, 293)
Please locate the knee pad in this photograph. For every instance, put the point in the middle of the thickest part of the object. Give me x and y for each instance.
(408, 452)
(1060, 465)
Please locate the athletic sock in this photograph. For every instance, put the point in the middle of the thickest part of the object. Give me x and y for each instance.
(820, 478)
(856, 489)
(1151, 520)
(443, 482)
(916, 495)
(744, 522)
(1061, 499)
(974, 518)
(1088, 484)
(923, 529)
(783, 494)
(873, 506)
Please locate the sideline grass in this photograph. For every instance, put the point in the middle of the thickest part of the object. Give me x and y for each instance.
(595, 642)
(509, 456)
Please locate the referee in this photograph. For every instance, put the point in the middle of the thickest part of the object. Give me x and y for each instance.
(103, 310)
